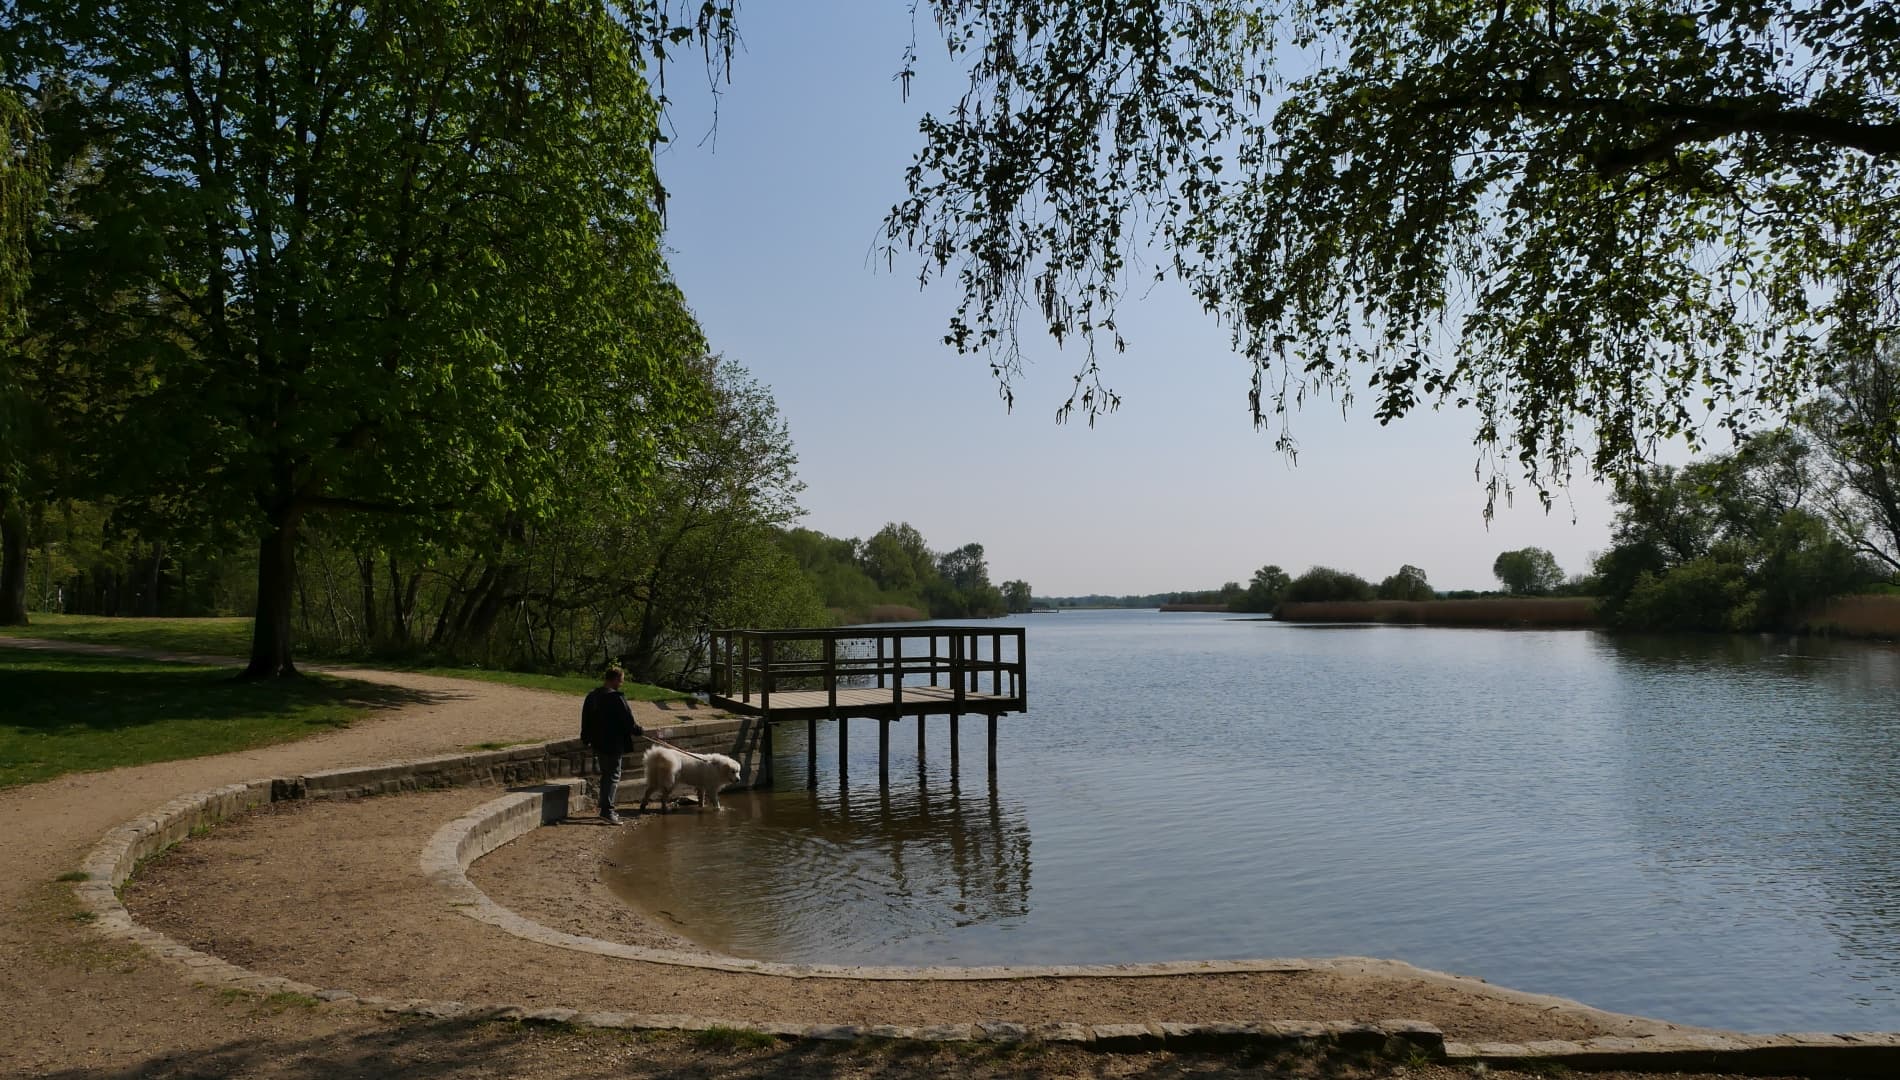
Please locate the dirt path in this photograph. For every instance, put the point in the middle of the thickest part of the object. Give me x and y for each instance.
(74, 1007)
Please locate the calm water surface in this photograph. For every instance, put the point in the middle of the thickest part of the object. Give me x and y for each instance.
(1701, 829)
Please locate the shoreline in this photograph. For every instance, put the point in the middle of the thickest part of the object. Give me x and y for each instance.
(423, 946)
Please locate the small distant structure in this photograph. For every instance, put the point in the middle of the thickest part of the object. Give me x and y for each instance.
(880, 673)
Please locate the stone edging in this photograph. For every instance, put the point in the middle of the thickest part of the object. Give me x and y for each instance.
(456, 845)
(121, 849)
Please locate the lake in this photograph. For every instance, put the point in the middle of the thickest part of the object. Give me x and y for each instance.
(1701, 829)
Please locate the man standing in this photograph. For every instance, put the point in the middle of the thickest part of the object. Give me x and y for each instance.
(608, 729)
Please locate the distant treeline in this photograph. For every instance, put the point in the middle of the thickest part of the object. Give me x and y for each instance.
(896, 576)
(1099, 600)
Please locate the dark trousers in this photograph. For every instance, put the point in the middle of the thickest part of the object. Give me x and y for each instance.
(609, 780)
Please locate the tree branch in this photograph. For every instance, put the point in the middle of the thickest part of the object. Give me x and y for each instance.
(1701, 123)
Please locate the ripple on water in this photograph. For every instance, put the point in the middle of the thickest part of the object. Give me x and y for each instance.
(1700, 829)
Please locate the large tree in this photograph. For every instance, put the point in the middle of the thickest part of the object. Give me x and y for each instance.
(1530, 571)
(1731, 542)
(1855, 426)
(1597, 224)
(409, 251)
(21, 180)
(705, 534)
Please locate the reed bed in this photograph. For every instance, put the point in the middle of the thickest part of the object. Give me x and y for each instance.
(1856, 616)
(1524, 611)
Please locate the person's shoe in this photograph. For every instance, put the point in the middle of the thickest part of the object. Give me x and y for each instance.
(611, 817)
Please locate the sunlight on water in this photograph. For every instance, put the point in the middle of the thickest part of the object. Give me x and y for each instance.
(1701, 829)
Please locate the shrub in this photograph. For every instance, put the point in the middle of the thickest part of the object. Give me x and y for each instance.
(1325, 583)
(1709, 593)
(1408, 584)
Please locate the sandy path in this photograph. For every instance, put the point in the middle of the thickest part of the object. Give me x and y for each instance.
(75, 1007)
(76, 1004)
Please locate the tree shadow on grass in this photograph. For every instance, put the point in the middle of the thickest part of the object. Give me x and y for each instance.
(422, 1050)
(48, 692)
(64, 712)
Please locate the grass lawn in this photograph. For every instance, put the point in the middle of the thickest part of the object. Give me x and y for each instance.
(566, 684)
(232, 637)
(206, 637)
(73, 713)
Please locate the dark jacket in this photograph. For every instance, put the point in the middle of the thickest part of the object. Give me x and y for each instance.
(607, 722)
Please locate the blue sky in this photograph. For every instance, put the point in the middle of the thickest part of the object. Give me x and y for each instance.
(773, 222)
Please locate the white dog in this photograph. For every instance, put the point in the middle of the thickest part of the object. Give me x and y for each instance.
(667, 767)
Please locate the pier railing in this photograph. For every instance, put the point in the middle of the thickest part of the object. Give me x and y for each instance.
(879, 672)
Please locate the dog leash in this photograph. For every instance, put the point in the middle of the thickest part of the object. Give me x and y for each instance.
(656, 740)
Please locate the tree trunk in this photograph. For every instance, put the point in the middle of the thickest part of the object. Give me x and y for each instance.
(472, 598)
(401, 601)
(499, 594)
(276, 581)
(445, 614)
(640, 660)
(366, 575)
(152, 603)
(12, 565)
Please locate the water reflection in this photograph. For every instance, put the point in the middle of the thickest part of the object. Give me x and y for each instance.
(852, 871)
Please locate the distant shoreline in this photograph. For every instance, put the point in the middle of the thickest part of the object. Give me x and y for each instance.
(1872, 617)
(1536, 612)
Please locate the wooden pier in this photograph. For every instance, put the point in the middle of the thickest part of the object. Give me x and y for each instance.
(874, 673)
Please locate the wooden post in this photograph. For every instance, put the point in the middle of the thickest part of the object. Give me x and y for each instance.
(996, 664)
(844, 748)
(920, 739)
(992, 743)
(745, 669)
(831, 672)
(897, 672)
(884, 749)
(959, 665)
(765, 754)
(1022, 671)
(766, 675)
(811, 751)
(953, 742)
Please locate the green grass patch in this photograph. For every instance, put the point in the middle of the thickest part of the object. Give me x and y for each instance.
(719, 1037)
(285, 999)
(231, 637)
(205, 637)
(74, 875)
(70, 712)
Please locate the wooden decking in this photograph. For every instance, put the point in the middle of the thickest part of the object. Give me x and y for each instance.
(883, 674)
(873, 702)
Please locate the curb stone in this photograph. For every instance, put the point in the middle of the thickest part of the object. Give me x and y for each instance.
(117, 854)
(1128, 1038)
